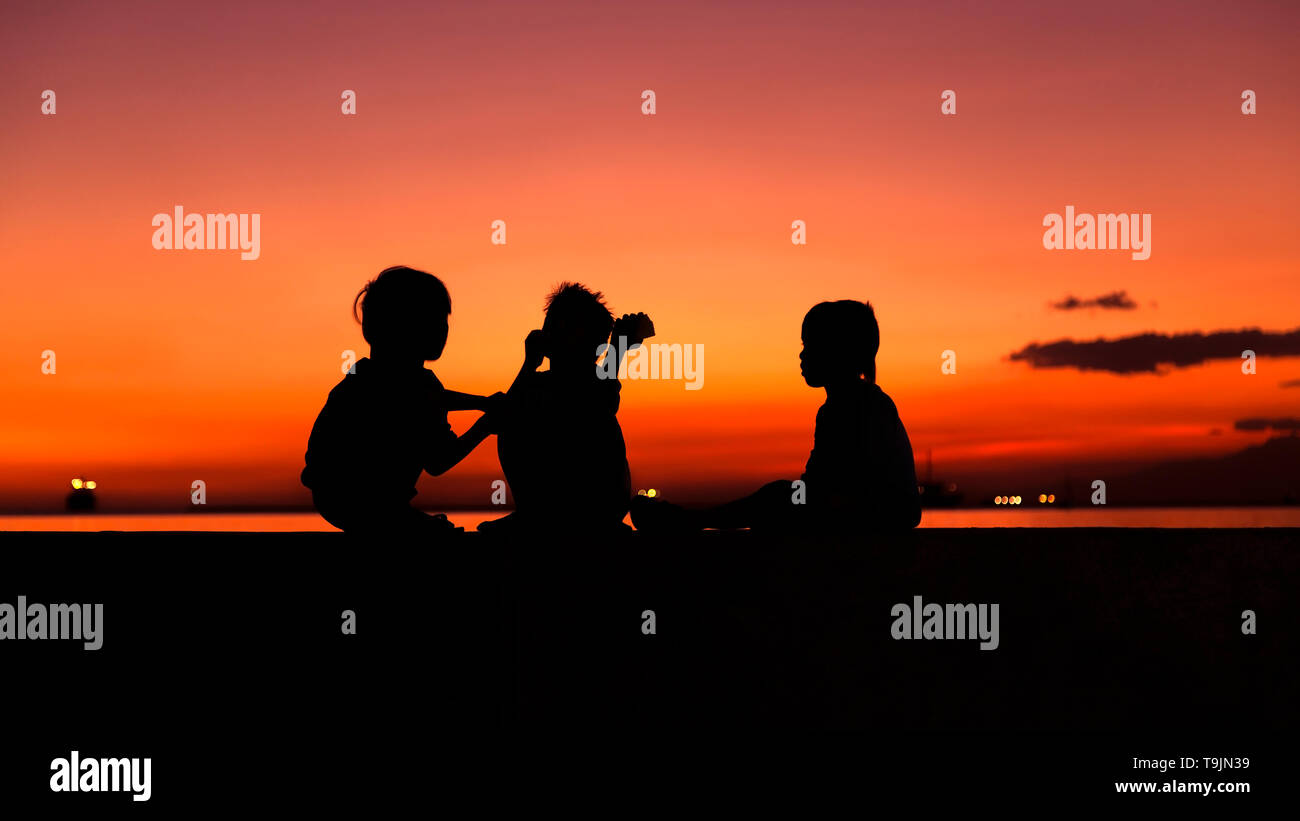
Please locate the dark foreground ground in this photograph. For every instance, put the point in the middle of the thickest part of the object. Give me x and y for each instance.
(1113, 643)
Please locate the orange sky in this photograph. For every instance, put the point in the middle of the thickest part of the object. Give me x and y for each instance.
(178, 365)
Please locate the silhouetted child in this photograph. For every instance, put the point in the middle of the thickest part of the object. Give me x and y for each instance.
(860, 475)
(387, 420)
(559, 440)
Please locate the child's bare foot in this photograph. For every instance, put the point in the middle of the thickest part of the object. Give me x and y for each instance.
(506, 524)
(438, 523)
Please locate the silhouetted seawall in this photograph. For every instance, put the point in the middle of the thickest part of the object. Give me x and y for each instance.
(1099, 629)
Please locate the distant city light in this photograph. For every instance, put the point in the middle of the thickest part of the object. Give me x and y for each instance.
(652, 493)
(91, 484)
(1042, 498)
(1051, 498)
(76, 484)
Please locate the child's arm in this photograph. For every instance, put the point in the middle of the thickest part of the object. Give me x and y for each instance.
(448, 457)
(495, 407)
(534, 347)
(455, 400)
(630, 330)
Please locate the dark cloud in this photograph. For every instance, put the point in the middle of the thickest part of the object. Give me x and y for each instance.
(1260, 424)
(1149, 353)
(1291, 383)
(1118, 301)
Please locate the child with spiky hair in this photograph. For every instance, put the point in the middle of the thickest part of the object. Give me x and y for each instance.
(560, 443)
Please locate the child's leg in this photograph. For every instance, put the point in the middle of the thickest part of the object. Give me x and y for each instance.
(401, 522)
(770, 504)
(425, 524)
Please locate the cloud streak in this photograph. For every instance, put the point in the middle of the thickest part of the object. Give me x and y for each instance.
(1262, 424)
(1114, 301)
(1155, 352)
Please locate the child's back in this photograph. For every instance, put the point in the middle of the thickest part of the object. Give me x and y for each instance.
(563, 452)
(861, 467)
(367, 447)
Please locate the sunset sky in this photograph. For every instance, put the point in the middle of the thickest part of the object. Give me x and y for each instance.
(182, 365)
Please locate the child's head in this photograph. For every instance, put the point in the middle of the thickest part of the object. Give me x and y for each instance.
(840, 340)
(405, 311)
(577, 323)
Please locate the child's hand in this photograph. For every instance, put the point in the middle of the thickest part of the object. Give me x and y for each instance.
(534, 349)
(637, 328)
